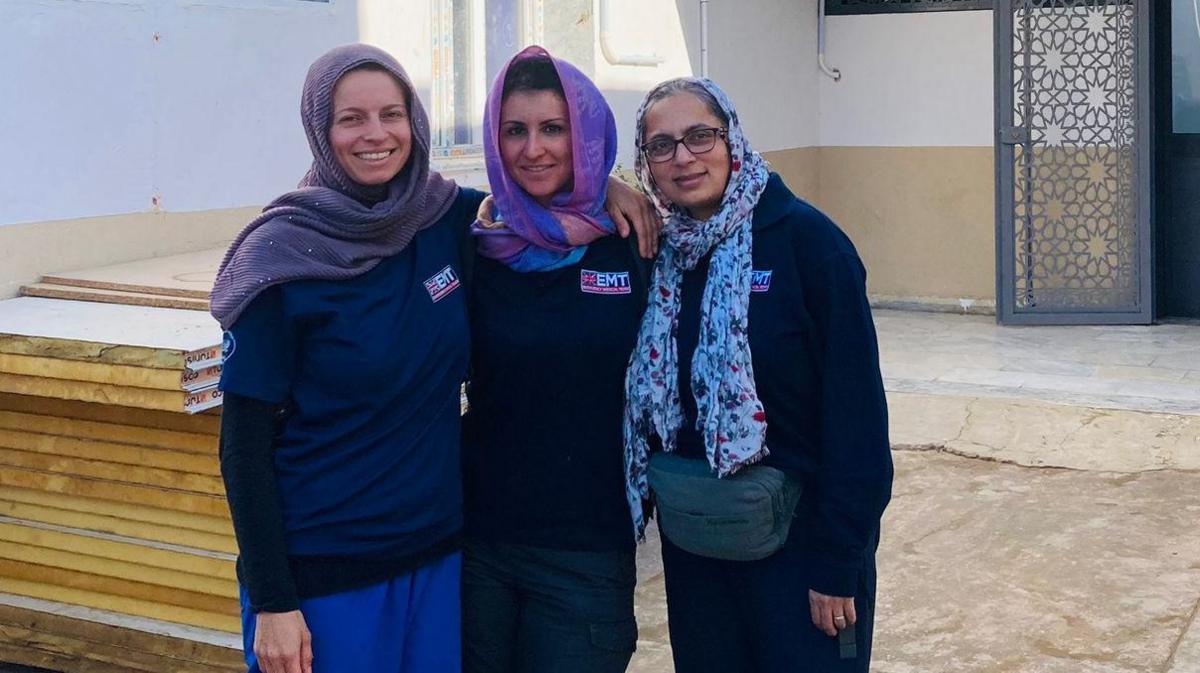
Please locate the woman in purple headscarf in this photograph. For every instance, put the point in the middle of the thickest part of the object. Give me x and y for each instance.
(346, 343)
(555, 305)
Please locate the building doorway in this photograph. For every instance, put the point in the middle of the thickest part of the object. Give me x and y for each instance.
(1074, 161)
(1178, 218)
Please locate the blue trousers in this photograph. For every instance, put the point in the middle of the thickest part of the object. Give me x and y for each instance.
(754, 617)
(408, 624)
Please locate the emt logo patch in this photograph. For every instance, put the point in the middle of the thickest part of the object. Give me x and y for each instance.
(760, 281)
(441, 283)
(604, 282)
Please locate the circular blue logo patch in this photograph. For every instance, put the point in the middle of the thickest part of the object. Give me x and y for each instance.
(228, 345)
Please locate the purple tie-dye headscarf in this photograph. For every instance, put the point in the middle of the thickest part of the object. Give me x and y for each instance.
(533, 237)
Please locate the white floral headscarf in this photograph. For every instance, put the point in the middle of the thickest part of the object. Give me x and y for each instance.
(730, 417)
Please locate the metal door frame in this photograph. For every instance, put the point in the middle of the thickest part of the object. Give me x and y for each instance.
(1006, 313)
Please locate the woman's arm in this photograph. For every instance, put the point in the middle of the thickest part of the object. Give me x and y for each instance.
(629, 209)
(282, 642)
(248, 469)
(855, 476)
(259, 354)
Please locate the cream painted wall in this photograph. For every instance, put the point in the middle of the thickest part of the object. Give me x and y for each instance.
(129, 106)
(762, 52)
(906, 153)
(120, 106)
(195, 102)
(646, 27)
(909, 80)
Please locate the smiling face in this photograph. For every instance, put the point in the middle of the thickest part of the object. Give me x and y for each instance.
(535, 142)
(371, 134)
(694, 181)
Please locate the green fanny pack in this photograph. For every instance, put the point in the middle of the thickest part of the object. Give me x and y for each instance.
(743, 517)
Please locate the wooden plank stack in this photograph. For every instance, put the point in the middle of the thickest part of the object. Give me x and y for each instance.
(116, 549)
(178, 281)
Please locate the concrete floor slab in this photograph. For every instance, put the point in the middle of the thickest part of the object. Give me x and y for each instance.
(1187, 652)
(1040, 434)
(1152, 368)
(1000, 568)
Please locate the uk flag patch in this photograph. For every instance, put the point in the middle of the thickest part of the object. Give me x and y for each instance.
(442, 283)
(604, 282)
(760, 281)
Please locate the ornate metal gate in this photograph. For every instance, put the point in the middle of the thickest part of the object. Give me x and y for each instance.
(1074, 161)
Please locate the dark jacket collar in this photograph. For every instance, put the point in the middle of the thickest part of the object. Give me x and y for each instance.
(774, 204)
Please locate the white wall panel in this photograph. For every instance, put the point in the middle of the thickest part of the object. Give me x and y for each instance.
(909, 80)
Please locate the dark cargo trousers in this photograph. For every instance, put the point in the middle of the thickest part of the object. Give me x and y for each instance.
(754, 616)
(535, 610)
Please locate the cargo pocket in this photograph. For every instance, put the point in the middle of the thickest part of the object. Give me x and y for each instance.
(618, 637)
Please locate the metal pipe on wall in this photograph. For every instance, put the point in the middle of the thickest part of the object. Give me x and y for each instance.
(825, 68)
(704, 38)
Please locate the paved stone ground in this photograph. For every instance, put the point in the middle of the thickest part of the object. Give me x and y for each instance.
(1155, 368)
(999, 568)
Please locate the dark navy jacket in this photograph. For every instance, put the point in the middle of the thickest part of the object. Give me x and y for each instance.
(816, 369)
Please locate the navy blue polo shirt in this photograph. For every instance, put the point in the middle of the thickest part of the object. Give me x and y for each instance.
(542, 440)
(367, 459)
(816, 370)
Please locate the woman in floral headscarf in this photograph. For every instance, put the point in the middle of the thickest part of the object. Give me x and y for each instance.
(555, 305)
(757, 351)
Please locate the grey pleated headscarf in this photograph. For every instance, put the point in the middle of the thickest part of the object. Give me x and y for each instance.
(331, 227)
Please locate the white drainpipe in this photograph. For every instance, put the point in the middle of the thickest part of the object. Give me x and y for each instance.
(606, 37)
(704, 38)
(832, 72)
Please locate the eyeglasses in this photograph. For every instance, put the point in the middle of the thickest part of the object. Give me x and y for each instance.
(698, 141)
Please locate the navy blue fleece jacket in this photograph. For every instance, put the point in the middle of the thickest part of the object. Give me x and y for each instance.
(816, 369)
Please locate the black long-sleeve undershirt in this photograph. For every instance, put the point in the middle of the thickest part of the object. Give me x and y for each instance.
(247, 466)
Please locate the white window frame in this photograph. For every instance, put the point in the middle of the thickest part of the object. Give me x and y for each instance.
(466, 159)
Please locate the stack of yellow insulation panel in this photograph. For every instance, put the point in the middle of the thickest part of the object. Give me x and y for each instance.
(116, 549)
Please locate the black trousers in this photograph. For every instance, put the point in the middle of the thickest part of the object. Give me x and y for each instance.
(754, 617)
(534, 610)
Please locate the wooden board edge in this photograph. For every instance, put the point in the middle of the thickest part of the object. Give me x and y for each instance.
(126, 287)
